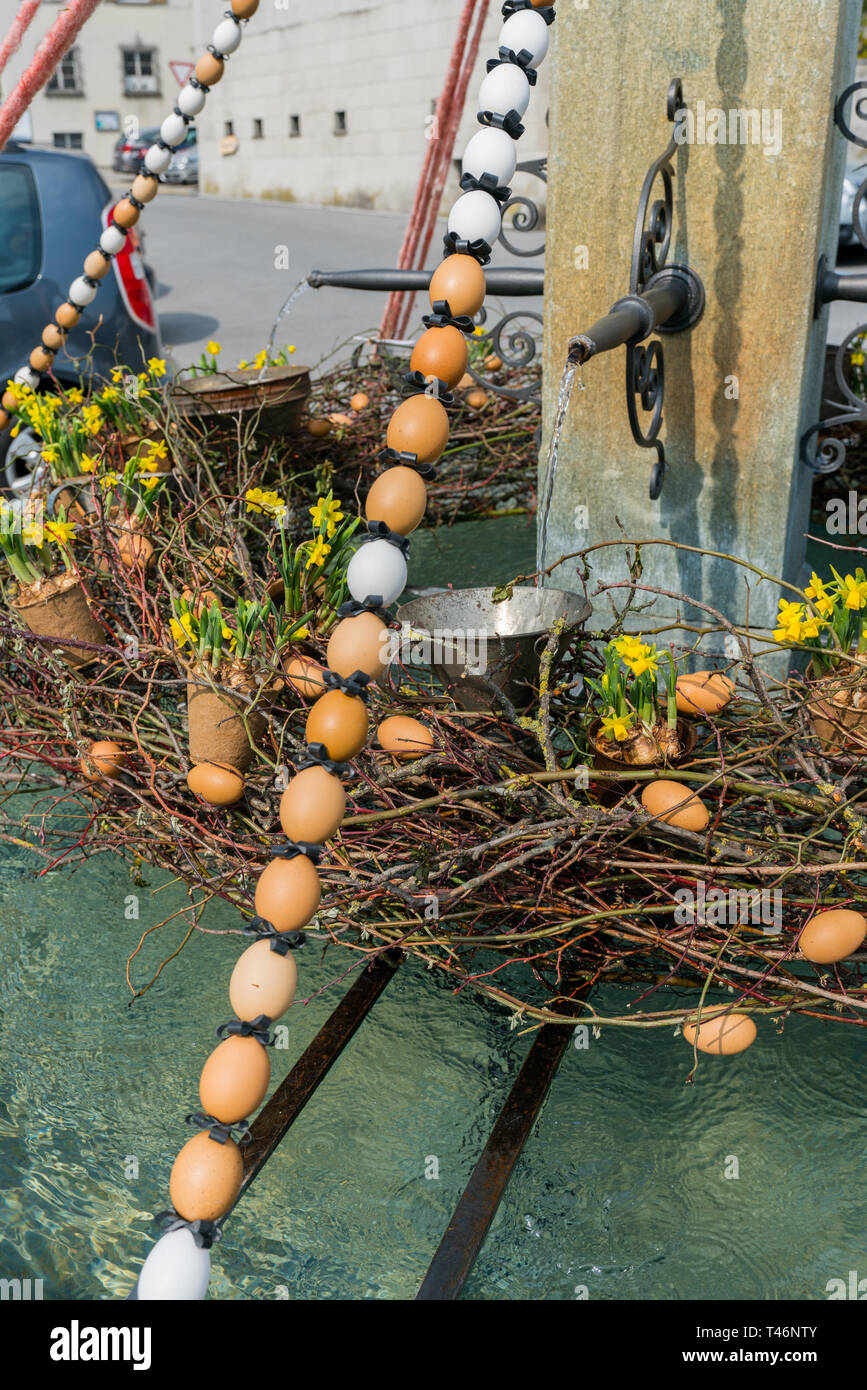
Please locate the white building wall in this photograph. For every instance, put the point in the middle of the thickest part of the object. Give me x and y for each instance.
(382, 63)
(163, 25)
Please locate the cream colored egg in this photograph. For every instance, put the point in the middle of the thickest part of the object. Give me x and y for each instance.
(263, 982)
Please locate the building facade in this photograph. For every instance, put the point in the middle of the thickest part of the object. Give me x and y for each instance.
(332, 101)
(117, 78)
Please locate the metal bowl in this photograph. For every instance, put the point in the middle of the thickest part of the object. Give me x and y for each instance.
(472, 643)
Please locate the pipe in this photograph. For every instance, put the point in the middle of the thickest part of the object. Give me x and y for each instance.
(632, 318)
(506, 280)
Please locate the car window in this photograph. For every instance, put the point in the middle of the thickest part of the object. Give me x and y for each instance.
(20, 228)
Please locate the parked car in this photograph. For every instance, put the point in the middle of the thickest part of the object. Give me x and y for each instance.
(184, 166)
(130, 150)
(53, 206)
(855, 176)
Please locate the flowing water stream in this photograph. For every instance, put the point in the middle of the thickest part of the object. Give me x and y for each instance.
(567, 382)
(283, 313)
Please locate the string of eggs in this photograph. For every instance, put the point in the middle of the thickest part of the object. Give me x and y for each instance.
(207, 1174)
(208, 70)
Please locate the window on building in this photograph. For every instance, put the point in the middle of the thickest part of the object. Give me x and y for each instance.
(66, 80)
(68, 140)
(20, 228)
(258, 129)
(228, 127)
(140, 72)
(340, 126)
(294, 126)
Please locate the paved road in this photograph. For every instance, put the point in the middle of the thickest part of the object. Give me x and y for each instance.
(215, 261)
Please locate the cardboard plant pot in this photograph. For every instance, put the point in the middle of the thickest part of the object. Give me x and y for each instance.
(222, 727)
(59, 607)
(838, 709)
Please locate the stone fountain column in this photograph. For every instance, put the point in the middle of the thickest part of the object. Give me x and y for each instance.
(752, 220)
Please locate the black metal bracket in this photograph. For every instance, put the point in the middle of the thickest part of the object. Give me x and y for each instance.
(828, 456)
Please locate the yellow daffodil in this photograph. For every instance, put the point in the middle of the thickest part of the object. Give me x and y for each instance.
(790, 621)
(182, 630)
(75, 394)
(111, 393)
(262, 501)
(14, 389)
(109, 480)
(260, 359)
(31, 533)
(150, 483)
(616, 726)
(326, 515)
(117, 373)
(213, 348)
(88, 464)
(854, 592)
(243, 364)
(318, 554)
(60, 531)
(156, 366)
(158, 449)
(857, 359)
(822, 598)
(291, 347)
(51, 454)
(646, 662)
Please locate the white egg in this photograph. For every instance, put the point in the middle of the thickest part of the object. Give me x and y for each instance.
(227, 36)
(157, 159)
(81, 292)
(173, 129)
(191, 100)
(176, 1269)
(377, 567)
(505, 89)
(475, 216)
(491, 151)
(112, 240)
(527, 30)
(26, 376)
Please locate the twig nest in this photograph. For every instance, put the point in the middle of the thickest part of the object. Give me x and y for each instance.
(399, 498)
(359, 402)
(340, 722)
(460, 281)
(313, 805)
(318, 428)
(675, 804)
(419, 426)
(703, 692)
(441, 352)
(103, 759)
(234, 1079)
(206, 1178)
(288, 892)
(406, 738)
(217, 783)
(263, 982)
(359, 644)
(304, 675)
(832, 936)
(722, 1035)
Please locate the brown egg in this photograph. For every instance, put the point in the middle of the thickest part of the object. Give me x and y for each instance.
(359, 644)
(405, 737)
(340, 722)
(206, 1178)
(661, 799)
(467, 382)
(318, 428)
(41, 359)
(459, 280)
(244, 8)
(263, 982)
(341, 419)
(135, 549)
(53, 337)
(304, 675)
(419, 426)
(442, 353)
(399, 498)
(126, 214)
(234, 1079)
(722, 1035)
(145, 188)
(5, 417)
(217, 783)
(359, 401)
(96, 265)
(493, 363)
(209, 69)
(832, 936)
(313, 805)
(288, 892)
(102, 759)
(7, 400)
(477, 400)
(703, 692)
(67, 315)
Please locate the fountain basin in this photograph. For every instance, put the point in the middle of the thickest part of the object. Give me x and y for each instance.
(476, 646)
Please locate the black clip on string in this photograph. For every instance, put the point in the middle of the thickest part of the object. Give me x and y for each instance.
(429, 386)
(442, 315)
(521, 60)
(247, 1028)
(204, 1233)
(511, 7)
(390, 458)
(354, 685)
(378, 531)
(510, 122)
(486, 183)
(218, 1131)
(480, 250)
(280, 941)
(352, 608)
(293, 848)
